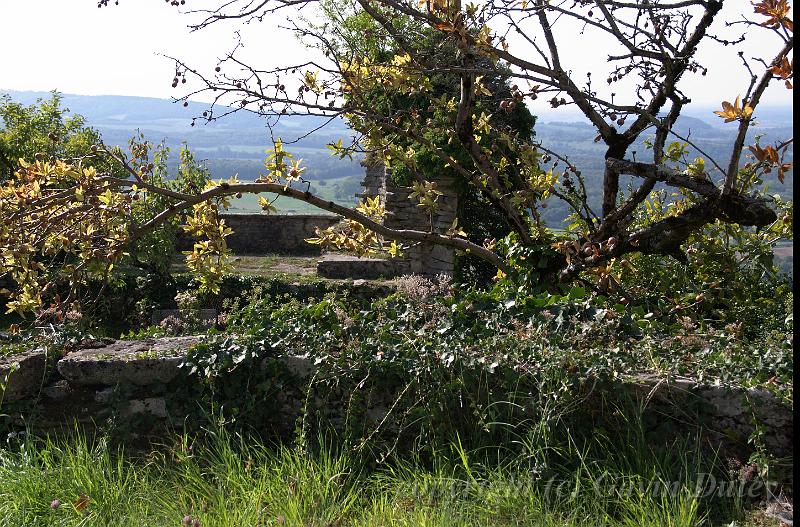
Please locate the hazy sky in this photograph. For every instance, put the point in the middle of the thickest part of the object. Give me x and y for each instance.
(73, 46)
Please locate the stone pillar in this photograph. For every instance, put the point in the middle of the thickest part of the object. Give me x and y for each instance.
(403, 213)
(374, 182)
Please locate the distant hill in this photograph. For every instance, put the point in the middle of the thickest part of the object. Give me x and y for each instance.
(117, 110)
(231, 145)
(235, 144)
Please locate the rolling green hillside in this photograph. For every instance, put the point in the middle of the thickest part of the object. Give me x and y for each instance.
(340, 190)
(236, 143)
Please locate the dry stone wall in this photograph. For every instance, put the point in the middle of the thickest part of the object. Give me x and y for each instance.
(271, 233)
(138, 378)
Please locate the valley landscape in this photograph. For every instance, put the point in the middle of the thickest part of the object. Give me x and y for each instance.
(236, 143)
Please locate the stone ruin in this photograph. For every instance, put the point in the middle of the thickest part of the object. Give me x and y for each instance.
(258, 234)
(139, 382)
(401, 213)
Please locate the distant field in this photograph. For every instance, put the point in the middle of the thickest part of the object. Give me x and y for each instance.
(339, 190)
(784, 257)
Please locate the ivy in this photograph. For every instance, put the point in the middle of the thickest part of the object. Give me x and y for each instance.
(420, 371)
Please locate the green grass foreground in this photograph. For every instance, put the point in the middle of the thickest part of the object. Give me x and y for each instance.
(226, 481)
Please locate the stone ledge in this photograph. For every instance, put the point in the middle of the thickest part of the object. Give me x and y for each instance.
(139, 362)
(143, 368)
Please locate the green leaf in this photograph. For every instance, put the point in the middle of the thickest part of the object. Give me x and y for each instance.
(576, 293)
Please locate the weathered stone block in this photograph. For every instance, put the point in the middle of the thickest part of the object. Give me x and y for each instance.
(155, 406)
(139, 362)
(22, 374)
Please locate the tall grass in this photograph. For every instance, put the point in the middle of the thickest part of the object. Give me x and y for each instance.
(222, 480)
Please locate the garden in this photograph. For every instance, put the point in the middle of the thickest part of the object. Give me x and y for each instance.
(631, 365)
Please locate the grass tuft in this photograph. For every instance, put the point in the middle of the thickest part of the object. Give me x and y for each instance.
(223, 480)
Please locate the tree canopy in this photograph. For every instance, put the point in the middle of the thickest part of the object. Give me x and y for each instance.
(78, 231)
(354, 33)
(46, 129)
(652, 48)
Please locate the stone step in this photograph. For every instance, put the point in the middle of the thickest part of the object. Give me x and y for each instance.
(344, 266)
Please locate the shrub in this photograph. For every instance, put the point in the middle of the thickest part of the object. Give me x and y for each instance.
(417, 371)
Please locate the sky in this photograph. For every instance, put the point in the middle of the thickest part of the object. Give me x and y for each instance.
(74, 47)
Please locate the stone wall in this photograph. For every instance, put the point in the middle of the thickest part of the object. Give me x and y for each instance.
(103, 379)
(271, 233)
(374, 182)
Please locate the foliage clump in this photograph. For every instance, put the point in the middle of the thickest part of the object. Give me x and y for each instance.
(65, 225)
(442, 366)
(45, 130)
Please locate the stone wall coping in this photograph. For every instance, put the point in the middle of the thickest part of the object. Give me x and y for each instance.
(140, 362)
